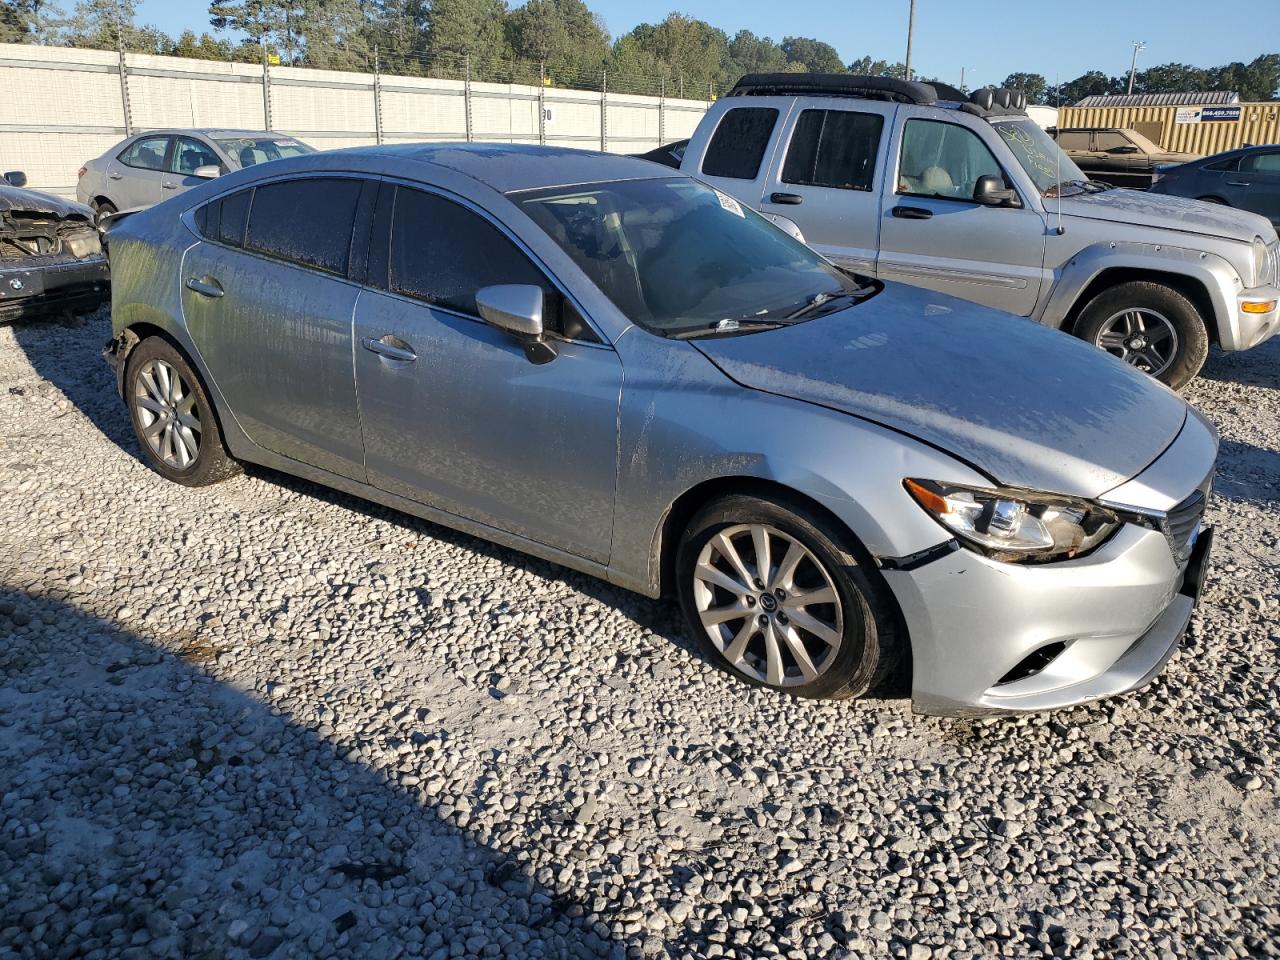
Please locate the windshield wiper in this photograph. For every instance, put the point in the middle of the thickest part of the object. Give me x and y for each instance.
(823, 300)
(728, 328)
(1088, 186)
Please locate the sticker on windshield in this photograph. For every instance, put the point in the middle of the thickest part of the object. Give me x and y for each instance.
(730, 204)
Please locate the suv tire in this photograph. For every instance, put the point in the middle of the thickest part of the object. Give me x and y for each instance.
(172, 417)
(760, 627)
(1150, 326)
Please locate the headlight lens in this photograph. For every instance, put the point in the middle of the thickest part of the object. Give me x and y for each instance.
(83, 244)
(1016, 525)
(1260, 257)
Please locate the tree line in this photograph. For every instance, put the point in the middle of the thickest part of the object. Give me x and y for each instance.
(561, 40)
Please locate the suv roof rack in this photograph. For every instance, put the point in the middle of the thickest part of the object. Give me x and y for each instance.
(835, 85)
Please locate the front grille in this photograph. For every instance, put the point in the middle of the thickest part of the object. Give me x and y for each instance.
(1183, 521)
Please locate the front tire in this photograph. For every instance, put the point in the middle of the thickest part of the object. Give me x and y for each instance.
(172, 417)
(778, 596)
(1149, 326)
(103, 209)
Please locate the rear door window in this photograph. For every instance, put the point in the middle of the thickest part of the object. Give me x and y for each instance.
(1073, 140)
(306, 221)
(146, 154)
(833, 148)
(738, 145)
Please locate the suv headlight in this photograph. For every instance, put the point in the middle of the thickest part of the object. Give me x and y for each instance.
(1261, 261)
(1016, 525)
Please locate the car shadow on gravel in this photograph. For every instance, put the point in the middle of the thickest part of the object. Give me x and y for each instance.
(1247, 473)
(1259, 367)
(150, 808)
(62, 354)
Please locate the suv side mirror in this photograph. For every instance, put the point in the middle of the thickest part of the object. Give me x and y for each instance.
(517, 308)
(208, 172)
(16, 178)
(990, 191)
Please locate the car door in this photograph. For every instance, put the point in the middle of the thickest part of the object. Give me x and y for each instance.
(455, 414)
(934, 235)
(187, 155)
(1259, 183)
(826, 176)
(269, 307)
(134, 178)
(1119, 160)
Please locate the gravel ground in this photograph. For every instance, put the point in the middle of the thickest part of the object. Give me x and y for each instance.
(268, 720)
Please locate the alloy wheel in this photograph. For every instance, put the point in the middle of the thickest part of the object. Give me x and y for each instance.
(768, 604)
(166, 407)
(1141, 337)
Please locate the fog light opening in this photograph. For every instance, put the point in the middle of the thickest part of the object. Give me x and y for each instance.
(1033, 663)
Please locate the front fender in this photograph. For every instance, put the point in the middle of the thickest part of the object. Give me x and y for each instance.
(1214, 273)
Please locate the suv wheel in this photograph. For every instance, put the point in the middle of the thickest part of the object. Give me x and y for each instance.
(1150, 326)
(779, 601)
(172, 417)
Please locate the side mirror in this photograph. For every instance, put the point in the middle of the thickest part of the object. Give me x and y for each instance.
(990, 191)
(16, 178)
(1127, 148)
(209, 171)
(517, 308)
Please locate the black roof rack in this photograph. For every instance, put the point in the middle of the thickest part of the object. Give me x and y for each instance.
(834, 85)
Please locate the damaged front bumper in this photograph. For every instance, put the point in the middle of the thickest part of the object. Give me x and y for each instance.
(29, 288)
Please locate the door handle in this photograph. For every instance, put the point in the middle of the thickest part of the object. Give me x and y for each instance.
(115, 176)
(206, 288)
(389, 350)
(911, 213)
(787, 199)
(169, 186)
(1238, 183)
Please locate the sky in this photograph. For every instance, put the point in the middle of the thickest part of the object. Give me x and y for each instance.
(1059, 40)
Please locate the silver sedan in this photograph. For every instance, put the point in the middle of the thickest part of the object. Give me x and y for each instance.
(623, 370)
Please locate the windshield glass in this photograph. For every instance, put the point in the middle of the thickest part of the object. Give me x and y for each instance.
(675, 255)
(247, 151)
(1039, 155)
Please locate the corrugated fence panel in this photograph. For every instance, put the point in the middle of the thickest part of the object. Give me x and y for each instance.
(61, 106)
(1258, 123)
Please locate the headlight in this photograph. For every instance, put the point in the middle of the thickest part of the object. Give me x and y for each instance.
(82, 244)
(1260, 257)
(1016, 525)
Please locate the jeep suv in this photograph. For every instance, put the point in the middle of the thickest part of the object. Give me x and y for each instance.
(967, 196)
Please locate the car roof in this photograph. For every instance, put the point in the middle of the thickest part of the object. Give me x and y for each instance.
(213, 132)
(510, 167)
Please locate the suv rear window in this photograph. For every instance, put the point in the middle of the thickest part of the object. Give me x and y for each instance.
(738, 145)
(833, 148)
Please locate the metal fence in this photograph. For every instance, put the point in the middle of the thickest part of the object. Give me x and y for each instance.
(61, 106)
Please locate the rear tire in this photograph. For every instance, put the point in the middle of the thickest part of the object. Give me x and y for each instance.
(172, 417)
(1149, 326)
(813, 624)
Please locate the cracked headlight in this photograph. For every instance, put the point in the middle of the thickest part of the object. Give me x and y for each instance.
(1016, 525)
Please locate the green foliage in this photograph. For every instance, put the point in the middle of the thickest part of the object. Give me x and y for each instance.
(29, 21)
(813, 55)
(1033, 85)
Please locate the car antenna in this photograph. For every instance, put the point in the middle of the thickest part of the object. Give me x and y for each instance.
(1057, 158)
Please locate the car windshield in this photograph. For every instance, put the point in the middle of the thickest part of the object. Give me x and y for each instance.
(247, 151)
(1039, 155)
(677, 256)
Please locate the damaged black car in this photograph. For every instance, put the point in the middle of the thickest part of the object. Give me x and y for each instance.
(51, 256)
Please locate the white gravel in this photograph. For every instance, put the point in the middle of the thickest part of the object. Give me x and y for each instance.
(263, 719)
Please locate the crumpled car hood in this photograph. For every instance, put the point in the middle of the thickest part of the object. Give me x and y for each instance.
(1029, 406)
(1164, 212)
(21, 200)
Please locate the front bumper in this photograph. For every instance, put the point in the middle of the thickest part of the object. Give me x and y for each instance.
(1119, 614)
(32, 289)
(1253, 328)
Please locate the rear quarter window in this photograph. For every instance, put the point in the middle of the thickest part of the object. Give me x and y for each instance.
(737, 147)
(224, 220)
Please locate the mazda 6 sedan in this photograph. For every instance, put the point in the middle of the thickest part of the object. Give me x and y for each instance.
(621, 369)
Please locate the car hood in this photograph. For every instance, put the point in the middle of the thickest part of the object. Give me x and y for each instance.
(21, 200)
(1027, 405)
(1164, 212)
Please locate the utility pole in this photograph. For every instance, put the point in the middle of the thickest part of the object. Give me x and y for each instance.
(911, 29)
(1138, 47)
(962, 70)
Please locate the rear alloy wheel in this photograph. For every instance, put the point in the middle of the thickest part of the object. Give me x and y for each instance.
(172, 418)
(1149, 326)
(780, 603)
